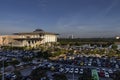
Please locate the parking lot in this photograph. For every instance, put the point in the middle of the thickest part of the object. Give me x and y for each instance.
(73, 66)
(83, 66)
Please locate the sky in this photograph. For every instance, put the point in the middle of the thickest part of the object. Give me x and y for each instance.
(80, 18)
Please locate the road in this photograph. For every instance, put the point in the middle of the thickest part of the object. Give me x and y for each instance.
(27, 71)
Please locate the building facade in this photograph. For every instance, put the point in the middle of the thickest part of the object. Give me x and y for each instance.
(31, 39)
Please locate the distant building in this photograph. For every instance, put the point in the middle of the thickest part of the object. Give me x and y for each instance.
(118, 45)
(32, 39)
(71, 37)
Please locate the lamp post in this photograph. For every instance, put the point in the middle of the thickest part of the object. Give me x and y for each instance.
(3, 70)
(73, 71)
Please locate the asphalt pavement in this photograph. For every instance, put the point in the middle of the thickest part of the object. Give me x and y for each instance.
(27, 71)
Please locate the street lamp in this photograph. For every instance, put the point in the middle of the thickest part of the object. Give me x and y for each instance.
(73, 71)
(3, 70)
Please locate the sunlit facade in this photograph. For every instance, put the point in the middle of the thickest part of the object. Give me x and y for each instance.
(31, 39)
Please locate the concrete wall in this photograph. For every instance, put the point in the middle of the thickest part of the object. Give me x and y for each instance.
(5, 40)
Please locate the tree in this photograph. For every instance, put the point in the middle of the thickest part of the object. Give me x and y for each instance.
(114, 46)
(45, 54)
(59, 77)
(116, 75)
(37, 74)
(14, 62)
(18, 74)
(27, 59)
(84, 77)
(0, 77)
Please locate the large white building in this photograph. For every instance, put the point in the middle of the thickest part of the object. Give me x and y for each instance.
(31, 39)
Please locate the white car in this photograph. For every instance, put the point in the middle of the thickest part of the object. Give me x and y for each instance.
(14, 76)
(81, 71)
(107, 74)
(49, 65)
(117, 66)
(114, 70)
(67, 69)
(110, 71)
(34, 67)
(71, 70)
(61, 70)
(76, 70)
(40, 65)
(103, 69)
(89, 64)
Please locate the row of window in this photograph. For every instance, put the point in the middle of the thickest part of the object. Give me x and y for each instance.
(30, 36)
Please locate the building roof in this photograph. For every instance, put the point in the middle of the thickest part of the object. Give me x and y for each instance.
(38, 30)
(28, 39)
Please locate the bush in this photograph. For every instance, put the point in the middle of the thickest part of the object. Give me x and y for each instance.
(37, 74)
(59, 77)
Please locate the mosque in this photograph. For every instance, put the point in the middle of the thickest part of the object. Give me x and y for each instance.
(31, 39)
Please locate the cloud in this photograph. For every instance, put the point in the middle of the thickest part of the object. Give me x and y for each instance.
(110, 7)
(84, 27)
(42, 4)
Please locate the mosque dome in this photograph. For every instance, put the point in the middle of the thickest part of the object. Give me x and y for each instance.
(38, 30)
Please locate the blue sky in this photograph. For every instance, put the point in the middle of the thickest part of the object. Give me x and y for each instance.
(82, 18)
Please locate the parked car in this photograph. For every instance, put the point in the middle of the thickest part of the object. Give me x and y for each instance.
(67, 69)
(76, 70)
(107, 74)
(101, 74)
(110, 71)
(61, 69)
(71, 70)
(81, 71)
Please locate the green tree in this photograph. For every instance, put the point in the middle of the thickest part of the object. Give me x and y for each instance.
(14, 62)
(84, 77)
(116, 75)
(114, 46)
(60, 77)
(43, 54)
(27, 59)
(0, 76)
(37, 74)
(18, 74)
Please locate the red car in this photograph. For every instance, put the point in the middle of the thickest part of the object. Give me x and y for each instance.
(101, 74)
